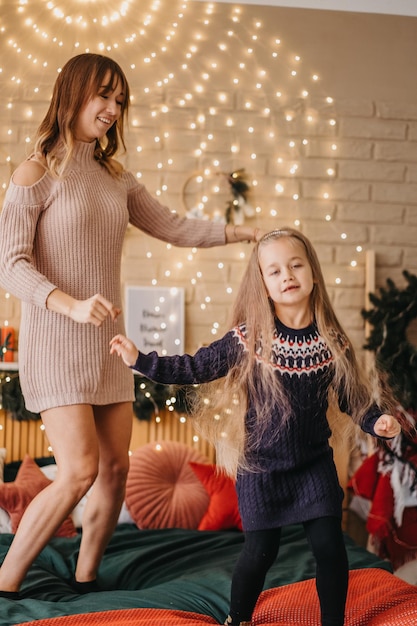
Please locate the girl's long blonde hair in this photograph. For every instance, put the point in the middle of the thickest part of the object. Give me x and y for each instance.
(81, 78)
(222, 405)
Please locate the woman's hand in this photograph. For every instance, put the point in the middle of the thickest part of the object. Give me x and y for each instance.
(243, 233)
(387, 426)
(125, 348)
(94, 310)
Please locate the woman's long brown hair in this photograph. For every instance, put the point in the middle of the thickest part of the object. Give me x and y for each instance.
(81, 78)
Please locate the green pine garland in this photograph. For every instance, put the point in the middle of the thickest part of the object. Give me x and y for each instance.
(154, 397)
(150, 398)
(11, 398)
(393, 311)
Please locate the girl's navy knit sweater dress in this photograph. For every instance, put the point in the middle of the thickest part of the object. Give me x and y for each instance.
(297, 478)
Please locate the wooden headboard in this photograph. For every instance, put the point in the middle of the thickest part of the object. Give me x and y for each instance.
(28, 437)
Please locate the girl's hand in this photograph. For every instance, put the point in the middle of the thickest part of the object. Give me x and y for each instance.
(387, 426)
(125, 348)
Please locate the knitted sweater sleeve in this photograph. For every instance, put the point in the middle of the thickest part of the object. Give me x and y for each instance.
(207, 364)
(18, 221)
(154, 219)
(368, 419)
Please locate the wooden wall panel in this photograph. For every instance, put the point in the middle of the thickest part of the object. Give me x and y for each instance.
(28, 437)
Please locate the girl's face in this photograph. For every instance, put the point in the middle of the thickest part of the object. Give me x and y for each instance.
(287, 275)
(100, 113)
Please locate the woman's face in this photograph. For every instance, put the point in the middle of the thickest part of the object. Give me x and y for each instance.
(100, 113)
(287, 275)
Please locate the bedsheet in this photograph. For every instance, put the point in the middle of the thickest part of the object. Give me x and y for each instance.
(173, 569)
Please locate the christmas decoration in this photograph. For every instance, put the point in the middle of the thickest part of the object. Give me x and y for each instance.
(153, 397)
(392, 520)
(238, 208)
(150, 398)
(11, 398)
(394, 310)
(7, 341)
(199, 197)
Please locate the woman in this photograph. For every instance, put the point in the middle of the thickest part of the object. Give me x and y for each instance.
(61, 233)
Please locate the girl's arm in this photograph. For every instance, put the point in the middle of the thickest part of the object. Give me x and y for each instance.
(208, 363)
(376, 424)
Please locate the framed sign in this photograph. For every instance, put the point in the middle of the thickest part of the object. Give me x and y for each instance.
(155, 318)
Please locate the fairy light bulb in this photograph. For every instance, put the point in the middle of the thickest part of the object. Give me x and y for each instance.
(161, 68)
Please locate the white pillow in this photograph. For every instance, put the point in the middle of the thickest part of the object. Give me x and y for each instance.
(5, 523)
(77, 515)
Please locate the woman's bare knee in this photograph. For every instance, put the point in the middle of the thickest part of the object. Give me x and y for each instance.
(114, 474)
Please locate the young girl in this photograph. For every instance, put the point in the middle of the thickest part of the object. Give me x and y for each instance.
(284, 357)
(61, 234)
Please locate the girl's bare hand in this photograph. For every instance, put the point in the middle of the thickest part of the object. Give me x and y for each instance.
(125, 348)
(387, 426)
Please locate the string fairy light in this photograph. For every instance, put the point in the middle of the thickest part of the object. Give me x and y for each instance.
(199, 102)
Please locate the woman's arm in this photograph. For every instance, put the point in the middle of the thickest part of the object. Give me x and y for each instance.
(157, 220)
(94, 310)
(23, 205)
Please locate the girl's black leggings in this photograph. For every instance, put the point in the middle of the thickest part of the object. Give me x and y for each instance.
(325, 538)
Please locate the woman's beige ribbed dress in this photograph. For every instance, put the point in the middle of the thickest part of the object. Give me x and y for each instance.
(68, 234)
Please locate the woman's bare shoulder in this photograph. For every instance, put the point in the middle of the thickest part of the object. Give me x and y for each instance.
(29, 172)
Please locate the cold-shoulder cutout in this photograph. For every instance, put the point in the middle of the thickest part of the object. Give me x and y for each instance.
(28, 172)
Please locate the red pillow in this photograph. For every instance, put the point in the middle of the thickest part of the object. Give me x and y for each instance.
(223, 511)
(16, 496)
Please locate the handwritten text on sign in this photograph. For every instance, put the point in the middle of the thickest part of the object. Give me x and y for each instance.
(155, 318)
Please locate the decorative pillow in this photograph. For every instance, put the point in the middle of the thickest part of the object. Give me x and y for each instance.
(11, 468)
(223, 511)
(15, 496)
(5, 523)
(162, 491)
(78, 512)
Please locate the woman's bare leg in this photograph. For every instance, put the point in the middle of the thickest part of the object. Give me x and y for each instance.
(71, 431)
(114, 430)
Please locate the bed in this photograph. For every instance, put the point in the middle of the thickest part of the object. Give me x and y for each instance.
(170, 560)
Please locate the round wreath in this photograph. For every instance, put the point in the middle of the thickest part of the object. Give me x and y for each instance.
(237, 208)
(393, 312)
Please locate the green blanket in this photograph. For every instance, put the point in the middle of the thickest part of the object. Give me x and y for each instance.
(173, 568)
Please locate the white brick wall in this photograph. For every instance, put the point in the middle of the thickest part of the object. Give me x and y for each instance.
(371, 196)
